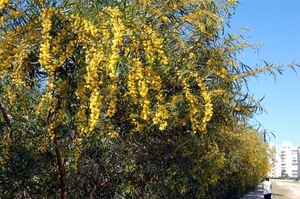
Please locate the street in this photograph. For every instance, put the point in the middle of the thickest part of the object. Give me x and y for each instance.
(282, 189)
(285, 189)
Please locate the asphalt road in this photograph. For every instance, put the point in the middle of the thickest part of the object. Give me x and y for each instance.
(282, 189)
(285, 189)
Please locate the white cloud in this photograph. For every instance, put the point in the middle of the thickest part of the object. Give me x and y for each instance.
(287, 144)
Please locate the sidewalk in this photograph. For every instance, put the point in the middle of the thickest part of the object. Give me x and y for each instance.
(255, 194)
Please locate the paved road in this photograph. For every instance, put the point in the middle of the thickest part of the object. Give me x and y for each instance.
(282, 189)
(255, 194)
(285, 189)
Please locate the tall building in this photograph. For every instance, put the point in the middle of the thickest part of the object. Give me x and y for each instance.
(289, 160)
(298, 162)
(285, 161)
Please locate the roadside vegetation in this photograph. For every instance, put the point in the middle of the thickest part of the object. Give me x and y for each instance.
(126, 99)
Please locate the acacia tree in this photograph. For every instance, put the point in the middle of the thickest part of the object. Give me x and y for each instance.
(116, 99)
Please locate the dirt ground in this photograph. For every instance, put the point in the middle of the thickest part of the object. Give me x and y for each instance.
(285, 189)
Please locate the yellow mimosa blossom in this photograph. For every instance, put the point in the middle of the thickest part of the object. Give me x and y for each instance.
(113, 134)
(4, 4)
(128, 189)
(231, 2)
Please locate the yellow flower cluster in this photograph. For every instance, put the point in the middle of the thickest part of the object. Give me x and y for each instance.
(4, 4)
(20, 56)
(193, 111)
(164, 19)
(103, 43)
(192, 102)
(118, 32)
(208, 105)
(142, 87)
(217, 67)
(2, 19)
(204, 20)
(81, 95)
(7, 51)
(43, 143)
(77, 152)
(156, 83)
(92, 83)
(135, 121)
(153, 45)
(45, 105)
(128, 189)
(145, 103)
(113, 134)
(56, 120)
(97, 62)
(130, 167)
(81, 117)
(48, 48)
(113, 102)
(134, 75)
(112, 107)
(231, 2)
(90, 29)
(216, 93)
(89, 35)
(15, 13)
(141, 79)
(94, 59)
(45, 55)
(161, 117)
(95, 105)
(77, 24)
(145, 109)
(11, 95)
(198, 122)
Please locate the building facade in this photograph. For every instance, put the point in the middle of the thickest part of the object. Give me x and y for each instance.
(285, 161)
(298, 162)
(289, 160)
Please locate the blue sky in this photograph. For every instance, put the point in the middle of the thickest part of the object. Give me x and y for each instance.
(275, 23)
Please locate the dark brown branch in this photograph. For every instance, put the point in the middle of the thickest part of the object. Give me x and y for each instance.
(62, 171)
(60, 162)
(7, 120)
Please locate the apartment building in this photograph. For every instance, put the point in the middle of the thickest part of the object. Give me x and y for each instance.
(289, 160)
(298, 162)
(285, 161)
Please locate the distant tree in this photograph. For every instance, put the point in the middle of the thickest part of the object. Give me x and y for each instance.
(284, 174)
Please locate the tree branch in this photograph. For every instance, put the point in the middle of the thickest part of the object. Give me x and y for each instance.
(62, 171)
(60, 162)
(7, 120)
